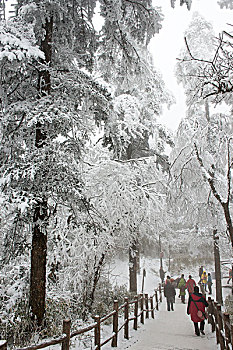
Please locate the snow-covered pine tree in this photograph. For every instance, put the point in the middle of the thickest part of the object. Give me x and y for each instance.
(202, 70)
(50, 104)
(138, 99)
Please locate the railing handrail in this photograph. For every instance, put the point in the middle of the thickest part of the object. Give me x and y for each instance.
(220, 322)
(139, 302)
(55, 341)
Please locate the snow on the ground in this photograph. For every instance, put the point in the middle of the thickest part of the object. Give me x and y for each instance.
(168, 331)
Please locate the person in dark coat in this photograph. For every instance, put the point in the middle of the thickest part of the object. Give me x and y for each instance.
(162, 274)
(209, 283)
(193, 308)
(169, 293)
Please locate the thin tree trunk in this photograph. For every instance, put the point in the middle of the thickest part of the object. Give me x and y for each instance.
(133, 267)
(228, 220)
(217, 268)
(136, 149)
(40, 217)
(38, 264)
(90, 294)
(169, 257)
(138, 258)
(231, 279)
(160, 253)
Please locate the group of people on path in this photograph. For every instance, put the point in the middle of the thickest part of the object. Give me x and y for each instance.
(196, 302)
(182, 285)
(205, 280)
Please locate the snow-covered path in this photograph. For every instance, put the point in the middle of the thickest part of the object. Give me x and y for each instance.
(171, 331)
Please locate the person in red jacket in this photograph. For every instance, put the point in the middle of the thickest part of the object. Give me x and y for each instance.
(197, 302)
(190, 284)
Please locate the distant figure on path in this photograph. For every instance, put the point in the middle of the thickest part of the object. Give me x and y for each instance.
(201, 269)
(190, 284)
(181, 287)
(162, 274)
(209, 283)
(169, 293)
(204, 280)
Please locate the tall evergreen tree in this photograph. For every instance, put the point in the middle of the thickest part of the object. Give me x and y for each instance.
(51, 102)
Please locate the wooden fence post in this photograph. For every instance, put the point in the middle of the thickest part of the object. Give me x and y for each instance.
(97, 332)
(135, 321)
(152, 307)
(209, 309)
(115, 324)
(126, 326)
(227, 324)
(141, 308)
(66, 330)
(160, 293)
(156, 300)
(147, 305)
(216, 322)
(211, 313)
(220, 324)
(232, 336)
(3, 344)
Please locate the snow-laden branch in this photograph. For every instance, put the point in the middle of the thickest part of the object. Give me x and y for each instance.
(210, 179)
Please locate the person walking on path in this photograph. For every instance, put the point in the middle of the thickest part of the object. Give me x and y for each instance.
(204, 280)
(196, 308)
(181, 286)
(162, 274)
(209, 283)
(201, 269)
(169, 293)
(190, 284)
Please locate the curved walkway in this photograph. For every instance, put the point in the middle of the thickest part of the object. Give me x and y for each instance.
(172, 330)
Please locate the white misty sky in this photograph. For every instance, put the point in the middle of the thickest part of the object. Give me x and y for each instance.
(166, 46)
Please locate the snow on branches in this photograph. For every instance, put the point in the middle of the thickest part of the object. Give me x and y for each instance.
(15, 46)
(182, 2)
(226, 3)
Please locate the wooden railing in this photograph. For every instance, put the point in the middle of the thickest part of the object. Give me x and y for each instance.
(140, 308)
(220, 323)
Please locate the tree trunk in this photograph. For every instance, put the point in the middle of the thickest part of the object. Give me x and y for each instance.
(169, 257)
(231, 279)
(133, 267)
(217, 269)
(160, 253)
(40, 217)
(90, 290)
(228, 221)
(38, 263)
(138, 258)
(139, 147)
